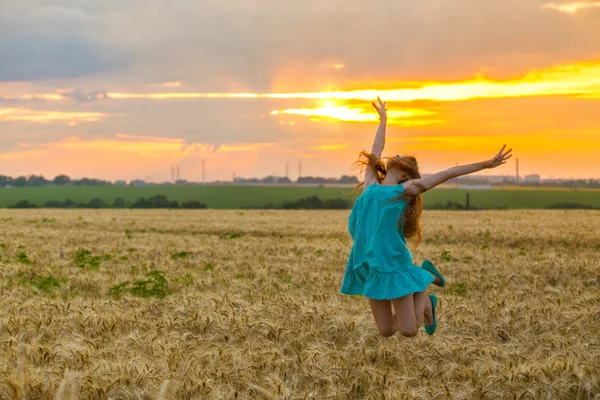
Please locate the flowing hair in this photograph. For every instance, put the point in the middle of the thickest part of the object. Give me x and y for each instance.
(408, 169)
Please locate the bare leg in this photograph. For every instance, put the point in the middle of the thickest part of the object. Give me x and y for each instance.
(437, 280)
(384, 319)
(424, 308)
(410, 311)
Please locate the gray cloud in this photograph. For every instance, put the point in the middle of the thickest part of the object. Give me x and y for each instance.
(41, 42)
(86, 97)
(205, 121)
(228, 44)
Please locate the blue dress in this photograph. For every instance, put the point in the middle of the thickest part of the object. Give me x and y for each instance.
(380, 265)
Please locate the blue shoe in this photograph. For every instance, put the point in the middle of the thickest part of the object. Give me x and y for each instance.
(431, 329)
(429, 267)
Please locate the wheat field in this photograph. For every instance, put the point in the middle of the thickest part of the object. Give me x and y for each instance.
(247, 306)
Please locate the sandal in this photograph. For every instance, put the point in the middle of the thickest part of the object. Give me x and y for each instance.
(429, 267)
(430, 329)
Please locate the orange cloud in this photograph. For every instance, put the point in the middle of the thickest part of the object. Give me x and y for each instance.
(147, 138)
(43, 96)
(140, 146)
(21, 154)
(572, 7)
(578, 79)
(24, 114)
(329, 147)
(171, 84)
(571, 79)
(242, 147)
(182, 95)
(575, 79)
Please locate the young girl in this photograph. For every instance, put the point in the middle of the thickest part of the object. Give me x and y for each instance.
(380, 265)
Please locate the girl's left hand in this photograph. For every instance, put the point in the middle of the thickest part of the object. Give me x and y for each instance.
(500, 158)
(381, 109)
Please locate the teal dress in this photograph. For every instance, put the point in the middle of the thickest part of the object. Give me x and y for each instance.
(380, 265)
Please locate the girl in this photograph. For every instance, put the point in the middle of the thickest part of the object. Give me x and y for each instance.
(380, 265)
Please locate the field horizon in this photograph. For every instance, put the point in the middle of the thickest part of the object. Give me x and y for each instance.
(242, 196)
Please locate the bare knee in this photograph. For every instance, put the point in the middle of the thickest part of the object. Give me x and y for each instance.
(409, 331)
(388, 331)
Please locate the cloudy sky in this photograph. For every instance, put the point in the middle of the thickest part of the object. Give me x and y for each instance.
(127, 89)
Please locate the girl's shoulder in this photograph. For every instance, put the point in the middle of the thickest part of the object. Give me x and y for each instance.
(391, 188)
(384, 194)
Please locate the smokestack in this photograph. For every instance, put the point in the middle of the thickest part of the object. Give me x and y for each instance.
(287, 170)
(300, 170)
(203, 171)
(178, 173)
(518, 178)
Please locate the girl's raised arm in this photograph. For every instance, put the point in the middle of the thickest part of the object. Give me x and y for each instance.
(379, 142)
(416, 186)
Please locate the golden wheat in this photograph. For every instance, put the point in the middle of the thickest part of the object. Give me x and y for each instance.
(255, 310)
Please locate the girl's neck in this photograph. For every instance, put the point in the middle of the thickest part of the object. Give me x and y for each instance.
(389, 180)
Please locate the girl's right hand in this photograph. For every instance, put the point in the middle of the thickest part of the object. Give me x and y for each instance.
(381, 109)
(500, 158)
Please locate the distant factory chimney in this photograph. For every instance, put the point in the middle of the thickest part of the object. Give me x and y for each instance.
(287, 170)
(178, 173)
(518, 178)
(299, 169)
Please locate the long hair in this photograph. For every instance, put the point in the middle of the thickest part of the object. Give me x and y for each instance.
(404, 168)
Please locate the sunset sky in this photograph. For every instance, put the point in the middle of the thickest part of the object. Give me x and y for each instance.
(123, 89)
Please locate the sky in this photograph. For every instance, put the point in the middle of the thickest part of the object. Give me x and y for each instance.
(124, 89)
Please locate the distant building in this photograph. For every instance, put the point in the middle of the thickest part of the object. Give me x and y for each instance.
(534, 178)
(121, 183)
(482, 179)
(138, 182)
(475, 187)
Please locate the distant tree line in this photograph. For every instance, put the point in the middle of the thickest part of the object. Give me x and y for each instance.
(158, 201)
(38, 180)
(308, 203)
(345, 179)
(571, 184)
(64, 180)
(510, 181)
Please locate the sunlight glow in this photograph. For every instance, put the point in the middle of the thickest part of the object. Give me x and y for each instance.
(24, 114)
(579, 79)
(356, 114)
(573, 7)
(329, 147)
(573, 79)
